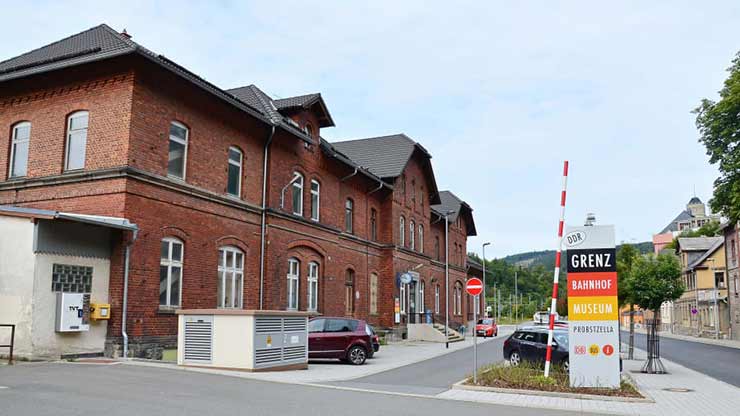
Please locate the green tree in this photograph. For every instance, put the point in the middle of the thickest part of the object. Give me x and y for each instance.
(654, 280)
(626, 255)
(719, 128)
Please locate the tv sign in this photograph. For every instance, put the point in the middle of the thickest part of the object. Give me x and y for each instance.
(593, 321)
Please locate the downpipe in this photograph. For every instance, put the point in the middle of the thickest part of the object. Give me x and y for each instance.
(263, 225)
(126, 261)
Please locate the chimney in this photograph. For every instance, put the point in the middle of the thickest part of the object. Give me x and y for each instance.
(124, 33)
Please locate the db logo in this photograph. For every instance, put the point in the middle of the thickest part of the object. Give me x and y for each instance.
(580, 350)
(593, 349)
(608, 350)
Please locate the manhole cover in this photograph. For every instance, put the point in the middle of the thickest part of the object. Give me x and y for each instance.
(678, 390)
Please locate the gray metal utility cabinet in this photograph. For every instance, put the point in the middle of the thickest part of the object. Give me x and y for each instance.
(247, 340)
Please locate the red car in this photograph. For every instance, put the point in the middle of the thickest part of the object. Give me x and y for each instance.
(349, 340)
(486, 327)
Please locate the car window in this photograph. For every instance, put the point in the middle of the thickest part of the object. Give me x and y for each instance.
(518, 335)
(529, 336)
(341, 325)
(485, 322)
(561, 339)
(316, 325)
(542, 338)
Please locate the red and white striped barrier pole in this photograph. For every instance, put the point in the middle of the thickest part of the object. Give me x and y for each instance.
(556, 273)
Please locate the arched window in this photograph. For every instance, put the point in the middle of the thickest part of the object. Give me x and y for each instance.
(178, 151)
(76, 141)
(458, 298)
(315, 199)
(19, 150)
(436, 248)
(170, 272)
(349, 216)
(294, 272)
(313, 286)
(234, 180)
(402, 229)
(373, 224)
(230, 277)
(349, 292)
(297, 193)
(412, 242)
(308, 129)
(413, 193)
(421, 238)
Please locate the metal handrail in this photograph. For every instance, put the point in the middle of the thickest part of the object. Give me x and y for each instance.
(12, 341)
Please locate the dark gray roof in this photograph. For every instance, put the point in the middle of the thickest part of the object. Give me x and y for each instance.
(473, 263)
(385, 156)
(306, 102)
(694, 200)
(673, 225)
(257, 99)
(302, 101)
(450, 202)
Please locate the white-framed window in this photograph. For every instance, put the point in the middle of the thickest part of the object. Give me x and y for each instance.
(230, 277)
(313, 286)
(402, 229)
(234, 182)
(349, 216)
(436, 299)
(294, 273)
(421, 238)
(412, 241)
(19, 149)
(420, 302)
(178, 150)
(373, 294)
(308, 129)
(297, 193)
(315, 199)
(74, 154)
(170, 272)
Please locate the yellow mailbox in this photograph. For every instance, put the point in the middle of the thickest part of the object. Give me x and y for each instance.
(99, 311)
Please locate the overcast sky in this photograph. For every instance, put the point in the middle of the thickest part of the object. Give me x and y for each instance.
(499, 92)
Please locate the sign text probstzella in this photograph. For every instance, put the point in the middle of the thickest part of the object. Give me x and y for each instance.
(592, 306)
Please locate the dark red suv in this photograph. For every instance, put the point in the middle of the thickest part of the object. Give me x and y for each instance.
(346, 339)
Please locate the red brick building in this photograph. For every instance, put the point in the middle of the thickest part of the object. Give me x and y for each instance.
(238, 200)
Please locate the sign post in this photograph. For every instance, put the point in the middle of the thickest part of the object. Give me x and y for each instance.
(592, 306)
(474, 287)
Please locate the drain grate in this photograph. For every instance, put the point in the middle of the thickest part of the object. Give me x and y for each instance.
(677, 390)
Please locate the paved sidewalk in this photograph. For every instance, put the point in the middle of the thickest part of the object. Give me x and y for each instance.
(708, 396)
(721, 342)
(321, 371)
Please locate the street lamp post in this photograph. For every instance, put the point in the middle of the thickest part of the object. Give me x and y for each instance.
(485, 300)
(447, 278)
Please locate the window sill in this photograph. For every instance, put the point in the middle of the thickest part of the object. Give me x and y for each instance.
(176, 178)
(234, 197)
(167, 310)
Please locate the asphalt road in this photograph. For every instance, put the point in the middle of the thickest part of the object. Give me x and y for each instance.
(59, 389)
(432, 376)
(722, 363)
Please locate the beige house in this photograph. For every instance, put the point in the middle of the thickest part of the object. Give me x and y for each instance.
(704, 274)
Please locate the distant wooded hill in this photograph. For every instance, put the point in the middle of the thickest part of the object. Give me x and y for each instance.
(546, 258)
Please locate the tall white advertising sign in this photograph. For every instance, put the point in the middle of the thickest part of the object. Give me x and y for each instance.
(593, 315)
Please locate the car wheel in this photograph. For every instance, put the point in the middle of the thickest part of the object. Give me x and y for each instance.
(496, 334)
(515, 359)
(357, 355)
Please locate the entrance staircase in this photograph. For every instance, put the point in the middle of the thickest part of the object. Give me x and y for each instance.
(452, 335)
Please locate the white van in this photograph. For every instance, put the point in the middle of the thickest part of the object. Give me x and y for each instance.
(542, 317)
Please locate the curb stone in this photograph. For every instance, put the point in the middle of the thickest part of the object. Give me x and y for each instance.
(460, 385)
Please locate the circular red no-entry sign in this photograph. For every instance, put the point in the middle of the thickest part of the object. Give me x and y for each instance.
(474, 286)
